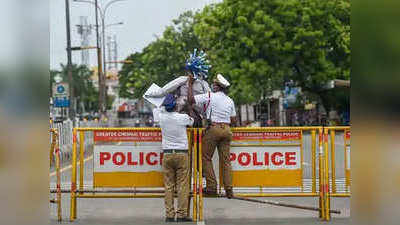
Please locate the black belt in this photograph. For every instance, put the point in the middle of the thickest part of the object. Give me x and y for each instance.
(175, 151)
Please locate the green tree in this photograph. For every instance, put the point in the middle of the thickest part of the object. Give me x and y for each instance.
(162, 60)
(258, 43)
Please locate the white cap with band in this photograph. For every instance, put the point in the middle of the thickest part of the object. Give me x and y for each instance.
(222, 81)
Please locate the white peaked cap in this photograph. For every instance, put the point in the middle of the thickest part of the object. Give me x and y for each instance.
(222, 81)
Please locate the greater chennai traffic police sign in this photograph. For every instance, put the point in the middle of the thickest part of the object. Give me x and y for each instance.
(136, 163)
(266, 159)
(127, 166)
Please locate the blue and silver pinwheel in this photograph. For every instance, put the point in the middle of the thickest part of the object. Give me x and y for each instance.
(198, 64)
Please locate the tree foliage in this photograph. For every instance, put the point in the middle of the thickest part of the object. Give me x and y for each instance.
(162, 60)
(257, 44)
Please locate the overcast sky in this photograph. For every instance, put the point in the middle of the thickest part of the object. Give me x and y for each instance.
(142, 20)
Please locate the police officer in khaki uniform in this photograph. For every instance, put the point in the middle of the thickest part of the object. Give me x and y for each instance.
(176, 161)
(221, 114)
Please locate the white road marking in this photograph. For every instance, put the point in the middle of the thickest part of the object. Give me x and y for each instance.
(70, 166)
(201, 223)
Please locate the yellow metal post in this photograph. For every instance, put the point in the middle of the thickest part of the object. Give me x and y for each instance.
(333, 163)
(73, 178)
(58, 162)
(326, 167)
(81, 157)
(190, 158)
(201, 210)
(345, 160)
(302, 160)
(321, 176)
(194, 153)
(52, 146)
(313, 166)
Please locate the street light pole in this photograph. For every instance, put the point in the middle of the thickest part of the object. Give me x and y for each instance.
(99, 64)
(103, 17)
(69, 62)
(103, 27)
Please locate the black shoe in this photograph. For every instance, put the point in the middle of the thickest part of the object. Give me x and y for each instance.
(169, 220)
(186, 219)
(229, 193)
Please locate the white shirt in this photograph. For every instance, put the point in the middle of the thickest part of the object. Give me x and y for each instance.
(219, 105)
(173, 129)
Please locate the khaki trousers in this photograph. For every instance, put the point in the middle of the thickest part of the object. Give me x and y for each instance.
(176, 174)
(219, 136)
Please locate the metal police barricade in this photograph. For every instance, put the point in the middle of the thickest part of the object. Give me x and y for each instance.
(337, 147)
(127, 163)
(276, 162)
(55, 151)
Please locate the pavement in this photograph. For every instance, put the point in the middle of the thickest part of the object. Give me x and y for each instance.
(216, 211)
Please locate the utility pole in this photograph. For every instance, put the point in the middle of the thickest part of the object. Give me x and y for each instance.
(69, 63)
(84, 30)
(100, 66)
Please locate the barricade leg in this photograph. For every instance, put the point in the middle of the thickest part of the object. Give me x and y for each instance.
(200, 177)
(81, 161)
(58, 183)
(190, 161)
(73, 179)
(347, 175)
(333, 163)
(194, 162)
(327, 195)
(52, 147)
(321, 176)
(313, 163)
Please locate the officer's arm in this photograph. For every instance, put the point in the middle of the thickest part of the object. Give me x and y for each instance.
(233, 115)
(190, 90)
(186, 120)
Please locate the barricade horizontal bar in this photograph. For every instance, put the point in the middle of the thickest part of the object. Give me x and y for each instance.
(338, 128)
(262, 129)
(269, 195)
(343, 195)
(256, 145)
(277, 194)
(129, 191)
(121, 196)
(118, 128)
(233, 129)
(122, 128)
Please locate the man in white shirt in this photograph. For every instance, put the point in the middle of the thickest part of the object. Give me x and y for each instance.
(221, 114)
(175, 162)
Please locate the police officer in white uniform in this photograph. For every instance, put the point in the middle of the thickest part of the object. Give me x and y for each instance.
(221, 114)
(176, 161)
